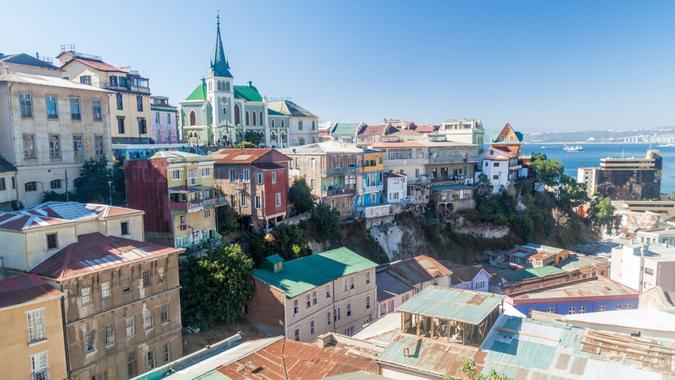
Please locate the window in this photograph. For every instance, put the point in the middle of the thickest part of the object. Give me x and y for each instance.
(147, 319)
(649, 271)
(98, 145)
(168, 117)
(39, 366)
(277, 199)
(479, 285)
(337, 314)
(36, 326)
(368, 277)
(314, 298)
(142, 126)
(296, 334)
(85, 296)
(175, 174)
(151, 359)
(495, 164)
(124, 227)
(26, 101)
(78, 146)
(120, 125)
(129, 326)
(120, 105)
(206, 172)
(246, 114)
(164, 314)
(89, 341)
(232, 175)
(54, 146)
(550, 310)
(31, 186)
(260, 178)
(254, 118)
(131, 364)
(313, 125)
(105, 289)
(307, 301)
(207, 213)
(312, 163)
(52, 241)
(295, 306)
(29, 146)
(582, 309)
(257, 201)
(242, 199)
(301, 141)
(146, 279)
(300, 125)
(139, 103)
(109, 335)
(311, 327)
(3, 185)
(85, 79)
(75, 108)
(571, 310)
(55, 184)
(495, 177)
(167, 352)
(161, 274)
(367, 302)
(349, 309)
(327, 291)
(126, 284)
(274, 177)
(237, 115)
(246, 175)
(351, 282)
(157, 116)
(345, 283)
(52, 107)
(193, 118)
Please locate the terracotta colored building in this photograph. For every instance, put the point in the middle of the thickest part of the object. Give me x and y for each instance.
(255, 181)
(31, 334)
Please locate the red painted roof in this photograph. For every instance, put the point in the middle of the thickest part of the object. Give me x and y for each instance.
(98, 65)
(25, 288)
(427, 128)
(373, 130)
(94, 252)
(239, 155)
(288, 359)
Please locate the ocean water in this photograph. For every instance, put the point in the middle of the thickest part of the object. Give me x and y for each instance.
(592, 154)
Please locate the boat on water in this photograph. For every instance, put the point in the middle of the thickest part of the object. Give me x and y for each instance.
(573, 148)
(669, 145)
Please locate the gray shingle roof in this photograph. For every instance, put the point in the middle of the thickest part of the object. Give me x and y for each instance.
(25, 59)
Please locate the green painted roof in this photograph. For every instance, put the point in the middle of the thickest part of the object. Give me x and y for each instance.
(460, 305)
(306, 273)
(345, 128)
(530, 272)
(274, 259)
(274, 113)
(198, 94)
(249, 93)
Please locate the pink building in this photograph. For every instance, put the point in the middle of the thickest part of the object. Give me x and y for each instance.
(164, 124)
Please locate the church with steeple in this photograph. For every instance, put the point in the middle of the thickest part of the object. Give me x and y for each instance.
(219, 113)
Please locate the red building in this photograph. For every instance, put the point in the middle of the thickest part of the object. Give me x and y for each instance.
(256, 182)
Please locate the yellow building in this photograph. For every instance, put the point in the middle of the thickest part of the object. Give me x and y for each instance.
(176, 190)
(130, 114)
(32, 329)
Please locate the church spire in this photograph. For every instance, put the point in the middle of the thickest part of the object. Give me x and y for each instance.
(219, 65)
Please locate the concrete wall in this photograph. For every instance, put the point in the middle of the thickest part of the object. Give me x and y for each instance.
(309, 133)
(592, 305)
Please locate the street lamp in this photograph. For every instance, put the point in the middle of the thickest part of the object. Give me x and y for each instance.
(110, 193)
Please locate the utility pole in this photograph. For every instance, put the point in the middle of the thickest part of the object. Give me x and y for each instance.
(110, 193)
(67, 195)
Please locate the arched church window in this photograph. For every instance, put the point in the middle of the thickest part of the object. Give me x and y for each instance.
(237, 115)
(247, 123)
(193, 118)
(254, 122)
(272, 123)
(227, 86)
(261, 118)
(282, 124)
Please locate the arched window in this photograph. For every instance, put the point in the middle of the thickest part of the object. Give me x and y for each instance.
(193, 118)
(254, 122)
(282, 124)
(261, 118)
(272, 123)
(237, 115)
(247, 118)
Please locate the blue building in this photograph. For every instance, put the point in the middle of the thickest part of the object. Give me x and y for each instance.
(587, 295)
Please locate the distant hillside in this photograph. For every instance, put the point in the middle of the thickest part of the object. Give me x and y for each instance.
(595, 136)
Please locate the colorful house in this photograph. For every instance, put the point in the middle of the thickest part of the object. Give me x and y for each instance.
(509, 139)
(370, 184)
(164, 121)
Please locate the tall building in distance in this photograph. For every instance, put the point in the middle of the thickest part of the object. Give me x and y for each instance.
(50, 127)
(625, 178)
(130, 101)
(218, 112)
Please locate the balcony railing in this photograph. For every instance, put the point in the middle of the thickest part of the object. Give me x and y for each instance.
(372, 189)
(343, 191)
(196, 205)
(338, 171)
(452, 159)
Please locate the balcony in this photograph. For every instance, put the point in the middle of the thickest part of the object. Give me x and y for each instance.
(341, 171)
(342, 191)
(452, 159)
(197, 205)
(373, 189)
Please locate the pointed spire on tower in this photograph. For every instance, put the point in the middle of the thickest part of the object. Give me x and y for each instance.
(219, 65)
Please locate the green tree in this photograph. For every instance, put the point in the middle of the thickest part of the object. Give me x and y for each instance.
(522, 225)
(483, 187)
(228, 219)
(300, 195)
(92, 185)
(245, 144)
(325, 221)
(258, 247)
(469, 369)
(54, 196)
(216, 286)
(548, 171)
(289, 242)
(254, 137)
(602, 213)
(570, 194)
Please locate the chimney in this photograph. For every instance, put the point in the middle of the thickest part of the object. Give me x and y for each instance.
(406, 352)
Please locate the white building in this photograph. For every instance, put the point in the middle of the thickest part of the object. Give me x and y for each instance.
(48, 128)
(395, 187)
(303, 125)
(468, 131)
(642, 265)
(502, 168)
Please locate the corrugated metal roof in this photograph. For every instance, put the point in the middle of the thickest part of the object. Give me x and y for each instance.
(460, 305)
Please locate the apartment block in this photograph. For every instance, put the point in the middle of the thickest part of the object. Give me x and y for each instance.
(164, 121)
(645, 262)
(32, 328)
(303, 126)
(129, 100)
(48, 128)
(469, 131)
(332, 291)
(178, 194)
(256, 183)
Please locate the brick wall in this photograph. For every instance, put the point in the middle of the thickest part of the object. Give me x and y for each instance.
(266, 306)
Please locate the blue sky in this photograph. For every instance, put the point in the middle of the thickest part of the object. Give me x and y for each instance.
(542, 65)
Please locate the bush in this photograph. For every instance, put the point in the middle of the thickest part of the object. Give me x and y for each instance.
(300, 195)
